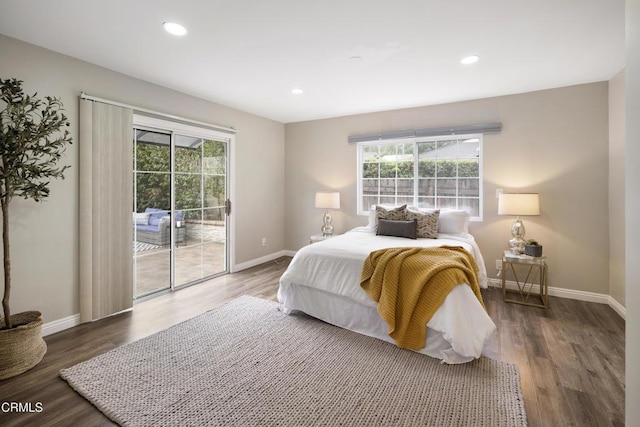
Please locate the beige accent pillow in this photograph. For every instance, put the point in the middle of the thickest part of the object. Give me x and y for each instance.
(427, 223)
(395, 214)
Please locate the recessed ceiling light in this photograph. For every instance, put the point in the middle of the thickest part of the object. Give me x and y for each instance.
(175, 29)
(297, 91)
(472, 59)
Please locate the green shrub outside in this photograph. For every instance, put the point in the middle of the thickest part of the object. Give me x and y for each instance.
(153, 181)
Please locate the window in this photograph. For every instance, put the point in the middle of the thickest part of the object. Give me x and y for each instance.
(434, 172)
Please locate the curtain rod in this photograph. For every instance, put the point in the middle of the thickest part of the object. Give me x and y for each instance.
(83, 95)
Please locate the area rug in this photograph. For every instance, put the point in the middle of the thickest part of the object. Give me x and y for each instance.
(142, 246)
(246, 363)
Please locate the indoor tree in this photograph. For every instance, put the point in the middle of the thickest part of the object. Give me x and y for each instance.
(34, 137)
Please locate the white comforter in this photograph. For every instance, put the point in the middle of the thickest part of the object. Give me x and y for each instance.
(323, 280)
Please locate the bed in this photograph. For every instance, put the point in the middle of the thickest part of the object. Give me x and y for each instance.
(323, 281)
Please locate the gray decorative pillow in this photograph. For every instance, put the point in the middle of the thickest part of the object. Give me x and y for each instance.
(396, 214)
(427, 223)
(390, 227)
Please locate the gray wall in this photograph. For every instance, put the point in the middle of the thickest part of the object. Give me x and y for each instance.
(554, 142)
(45, 236)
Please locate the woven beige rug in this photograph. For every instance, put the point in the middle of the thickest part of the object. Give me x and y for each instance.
(248, 364)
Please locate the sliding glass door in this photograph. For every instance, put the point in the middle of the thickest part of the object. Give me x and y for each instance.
(181, 207)
(152, 193)
(200, 200)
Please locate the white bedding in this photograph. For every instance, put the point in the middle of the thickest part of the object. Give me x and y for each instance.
(323, 280)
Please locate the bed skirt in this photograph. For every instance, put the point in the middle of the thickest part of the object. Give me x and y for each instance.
(355, 316)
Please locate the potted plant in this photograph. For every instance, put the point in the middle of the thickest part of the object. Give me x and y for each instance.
(533, 248)
(33, 138)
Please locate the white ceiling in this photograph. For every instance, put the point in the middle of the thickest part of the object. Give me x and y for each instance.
(249, 54)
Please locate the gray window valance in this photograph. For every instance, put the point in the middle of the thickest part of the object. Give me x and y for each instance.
(447, 130)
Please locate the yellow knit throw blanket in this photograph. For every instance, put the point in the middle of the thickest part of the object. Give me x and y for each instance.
(409, 284)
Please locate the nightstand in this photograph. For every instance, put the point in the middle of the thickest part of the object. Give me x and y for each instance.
(527, 272)
(319, 238)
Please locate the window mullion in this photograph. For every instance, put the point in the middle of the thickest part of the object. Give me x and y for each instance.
(379, 176)
(416, 178)
(457, 174)
(436, 204)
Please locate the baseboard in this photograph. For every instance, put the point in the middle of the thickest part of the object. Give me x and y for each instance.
(618, 308)
(568, 293)
(258, 261)
(60, 325)
(50, 328)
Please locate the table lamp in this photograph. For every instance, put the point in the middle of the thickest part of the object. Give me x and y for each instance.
(518, 204)
(327, 200)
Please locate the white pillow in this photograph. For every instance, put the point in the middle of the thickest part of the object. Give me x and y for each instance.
(372, 217)
(450, 221)
(453, 221)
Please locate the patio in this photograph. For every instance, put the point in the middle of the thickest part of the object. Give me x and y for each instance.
(201, 255)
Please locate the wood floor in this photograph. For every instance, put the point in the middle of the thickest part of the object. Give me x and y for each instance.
(570, 356)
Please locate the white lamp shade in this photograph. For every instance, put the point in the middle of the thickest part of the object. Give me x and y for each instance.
(327, 200)
(518, 204)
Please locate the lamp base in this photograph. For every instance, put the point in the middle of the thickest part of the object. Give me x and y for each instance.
(327, 228)
(517, 243)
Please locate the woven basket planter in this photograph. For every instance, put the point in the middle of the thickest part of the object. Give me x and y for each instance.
(533, 250)
(22, 347)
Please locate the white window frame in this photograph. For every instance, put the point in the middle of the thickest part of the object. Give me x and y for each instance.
(415, 142)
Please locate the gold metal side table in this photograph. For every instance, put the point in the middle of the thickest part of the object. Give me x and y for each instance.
(536, 272)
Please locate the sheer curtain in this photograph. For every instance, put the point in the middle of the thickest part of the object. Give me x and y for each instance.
(106, 200)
